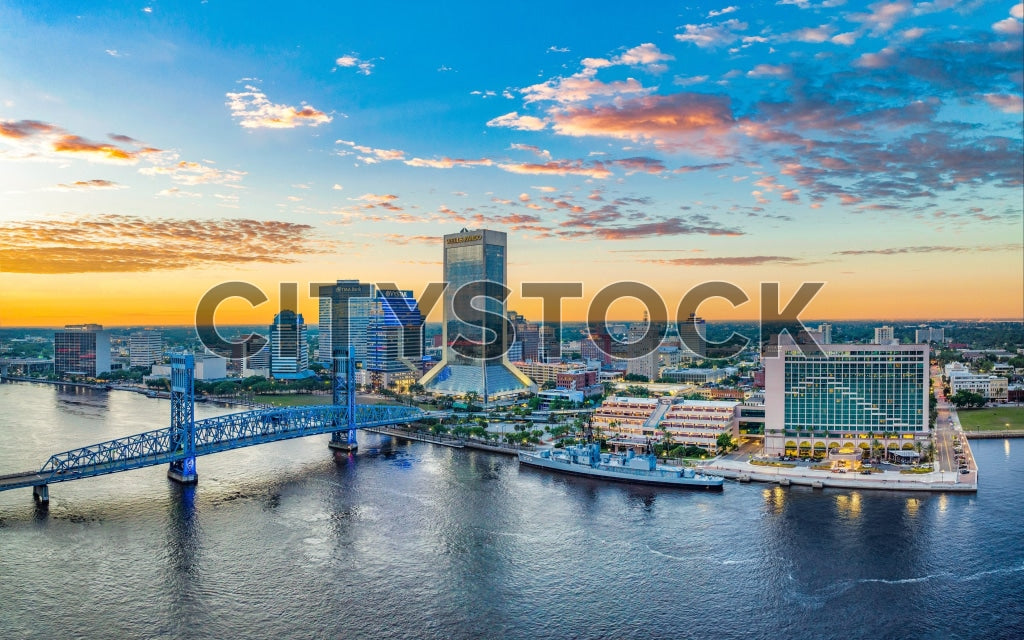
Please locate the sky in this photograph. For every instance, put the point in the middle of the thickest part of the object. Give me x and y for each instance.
(151, 151)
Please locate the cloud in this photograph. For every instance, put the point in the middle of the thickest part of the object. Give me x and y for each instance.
(535, 150)
(337, 187)
(351, 60)
(675, 226)
(722, 12)
(121, 244)
(32, 139)
(646, 55)
(737, 261)
(663, 119)
(652, 166)
(175, 192)
(195, 173)
(369, 155)
(812, 35)
(90, 185)
(558, 168)
(1006, 102)
(255, 111)
(712, 36)
(769, 70)
(882, 16)
(1009, 27)
(515, 121)
(926, 249)
(448, 163)
(554, 49)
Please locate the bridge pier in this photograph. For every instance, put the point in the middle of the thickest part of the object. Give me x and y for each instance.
(344, 387)
(183, 471)
(41, 493)
(343, 441)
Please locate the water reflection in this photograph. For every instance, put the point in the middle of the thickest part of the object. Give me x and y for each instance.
(1006, 448)
(849, 505)
(775, 499)
(913, 505)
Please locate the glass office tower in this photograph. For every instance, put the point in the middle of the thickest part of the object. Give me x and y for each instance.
(477, 335)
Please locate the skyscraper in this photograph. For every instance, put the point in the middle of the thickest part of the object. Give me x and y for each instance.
(289, 357)
(885, 335)
(693, 333)
(395, 339)
(477, 336)
(345, 309)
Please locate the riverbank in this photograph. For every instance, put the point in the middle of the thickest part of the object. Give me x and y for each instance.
(744, 471)
(993, 435)
(450, 441)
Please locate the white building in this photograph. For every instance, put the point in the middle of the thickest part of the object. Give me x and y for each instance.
(928, 334)
(885, 335)
(145, 348)
(992, 388)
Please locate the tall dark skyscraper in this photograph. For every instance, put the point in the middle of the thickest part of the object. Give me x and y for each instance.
(345, 309)
(476, 337)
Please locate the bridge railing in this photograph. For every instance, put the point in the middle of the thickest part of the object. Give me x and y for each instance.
(112, 453)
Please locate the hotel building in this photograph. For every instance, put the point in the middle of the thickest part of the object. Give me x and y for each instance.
(845, 397)
(145, 348)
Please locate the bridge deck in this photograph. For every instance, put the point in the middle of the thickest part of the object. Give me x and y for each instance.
(212, 435)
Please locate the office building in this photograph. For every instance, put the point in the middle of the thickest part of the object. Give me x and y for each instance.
(642, 354)
(289, 353)
(992, 388)
(597, 347)
(145, 348)
(345, 310)
(885, 335)
(928, 334)
(845, 397)
(825, 333)
(395, 349)
(81, 350)
(475, 356)
(693, 335)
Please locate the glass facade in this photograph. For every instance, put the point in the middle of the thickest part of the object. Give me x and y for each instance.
(844, 392)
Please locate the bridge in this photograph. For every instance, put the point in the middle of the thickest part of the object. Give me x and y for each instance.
(179, 444)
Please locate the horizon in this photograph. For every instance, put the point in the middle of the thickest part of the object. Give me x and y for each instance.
(151, 154)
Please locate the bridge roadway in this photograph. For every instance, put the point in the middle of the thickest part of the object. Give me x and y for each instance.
(212, 435)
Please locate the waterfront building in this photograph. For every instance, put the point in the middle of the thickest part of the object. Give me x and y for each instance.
(700, 423)
(845, 397)
(208, 366)
(258, 364)
(636, 422)
(81, 350)
(885, 335)
(145, 348)
(475, 358)
(289, 353)
(395, 349)
(344, 320)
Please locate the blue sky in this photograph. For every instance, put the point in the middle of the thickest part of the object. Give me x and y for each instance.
(869, 145)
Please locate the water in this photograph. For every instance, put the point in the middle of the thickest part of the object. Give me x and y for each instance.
(410, 540)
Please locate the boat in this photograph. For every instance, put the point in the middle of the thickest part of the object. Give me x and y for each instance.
(587, 460)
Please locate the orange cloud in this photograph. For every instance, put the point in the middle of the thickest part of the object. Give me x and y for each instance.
(664, 119)
(35, 139)
(255, 111)
(121, 244)
(558, 168)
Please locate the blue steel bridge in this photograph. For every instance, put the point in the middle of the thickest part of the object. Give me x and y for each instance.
(179, 444)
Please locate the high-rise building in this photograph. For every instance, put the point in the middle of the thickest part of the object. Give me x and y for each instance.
(642, 355)
(845, 397)
(525, 347)
(885, 335)
(289, 353)
(476, 338)
(81, 350)
(693, 334)
(345, 309)
(145, 348)
(395, 348)
(825, 329)
(597, 347)
(928, 334)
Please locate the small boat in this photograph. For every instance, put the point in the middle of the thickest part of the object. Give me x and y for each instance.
(587, 460)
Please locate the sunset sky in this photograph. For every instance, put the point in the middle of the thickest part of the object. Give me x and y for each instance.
(150, 151)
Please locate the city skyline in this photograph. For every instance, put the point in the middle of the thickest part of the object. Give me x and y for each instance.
(151, 153)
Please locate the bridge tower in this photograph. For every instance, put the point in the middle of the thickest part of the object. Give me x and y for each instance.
(183, 422)
(343, 391)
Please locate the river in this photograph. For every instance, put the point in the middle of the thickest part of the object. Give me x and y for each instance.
(412, 540)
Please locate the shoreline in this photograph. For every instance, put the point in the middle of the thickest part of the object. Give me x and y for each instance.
(890, 480)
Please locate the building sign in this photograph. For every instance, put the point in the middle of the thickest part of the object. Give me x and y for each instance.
(461, 239)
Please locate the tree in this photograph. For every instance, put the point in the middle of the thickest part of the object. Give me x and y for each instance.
(724, 442)
(965, 398)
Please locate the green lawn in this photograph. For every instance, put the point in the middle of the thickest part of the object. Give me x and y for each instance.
(293, 400)
(992, 419)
